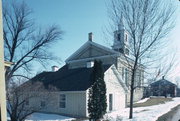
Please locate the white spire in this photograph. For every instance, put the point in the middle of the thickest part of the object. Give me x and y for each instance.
(121, 23)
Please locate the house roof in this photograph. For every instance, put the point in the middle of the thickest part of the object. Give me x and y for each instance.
(108, 52)
(162, 82)
(67, 79)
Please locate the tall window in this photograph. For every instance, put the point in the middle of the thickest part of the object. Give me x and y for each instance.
(110, 102)
(43, 104)
(136, 79)
(118, 36)
(62, 103)
(122, 72)
(126, 51)
(140, 78)
(27, 102)
(126, 37)
(126, 76)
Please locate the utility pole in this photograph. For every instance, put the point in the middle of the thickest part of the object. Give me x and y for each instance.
(2, 72)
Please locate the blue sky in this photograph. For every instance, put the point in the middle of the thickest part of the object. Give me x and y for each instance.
(76, 18)
(79, 17)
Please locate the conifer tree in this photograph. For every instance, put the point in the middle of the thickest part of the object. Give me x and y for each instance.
(97, 102)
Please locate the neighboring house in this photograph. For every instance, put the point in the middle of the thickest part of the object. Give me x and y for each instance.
(178, 92)
(146, 92)
(73, 80)
(163, 87)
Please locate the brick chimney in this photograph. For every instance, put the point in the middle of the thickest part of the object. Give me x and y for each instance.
(90, 36)
(163, 77)
(90, 64)
(55, 68)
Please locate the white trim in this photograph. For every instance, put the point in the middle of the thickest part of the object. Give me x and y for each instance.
(90, 59)
(88, 43)
(103, 47)
(77, 51)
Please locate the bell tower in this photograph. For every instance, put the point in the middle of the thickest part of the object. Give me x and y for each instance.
(121, 39)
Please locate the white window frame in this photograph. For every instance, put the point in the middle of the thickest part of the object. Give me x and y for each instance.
(62, 101)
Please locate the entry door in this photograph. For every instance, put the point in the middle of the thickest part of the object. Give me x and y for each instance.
(110, 102)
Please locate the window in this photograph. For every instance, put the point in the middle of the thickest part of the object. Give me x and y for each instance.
(118, 36)
(43, 104)
(140, 78)
(27, 102)
(62, 102)
(126, 76)
(110, 102)
(126, 51)
(136, 79)
(121, 50)
(126, 37)
(122, 72)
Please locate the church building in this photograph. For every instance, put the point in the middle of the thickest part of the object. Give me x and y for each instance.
(118, 55)
(72, 81)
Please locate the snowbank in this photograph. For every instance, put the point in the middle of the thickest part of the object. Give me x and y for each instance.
(150, 113)
(143, 100)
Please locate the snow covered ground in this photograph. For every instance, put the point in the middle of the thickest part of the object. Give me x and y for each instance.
(150, 113)
(143, 100)
(47, 117)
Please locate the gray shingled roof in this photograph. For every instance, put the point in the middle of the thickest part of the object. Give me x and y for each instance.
(162, 82)
(65, 79)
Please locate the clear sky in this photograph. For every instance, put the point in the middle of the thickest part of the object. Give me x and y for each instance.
(79, 17)
(76, 18)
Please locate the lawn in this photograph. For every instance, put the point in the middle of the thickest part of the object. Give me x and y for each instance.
(153, 101)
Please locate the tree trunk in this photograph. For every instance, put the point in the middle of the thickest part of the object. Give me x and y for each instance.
(131, 98)
(132, 89)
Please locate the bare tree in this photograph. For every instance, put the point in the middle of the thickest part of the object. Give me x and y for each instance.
(164, 67)
(147, 23)
(25, 43)
(23, 100)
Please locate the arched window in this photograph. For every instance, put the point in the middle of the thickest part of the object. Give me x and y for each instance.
(118, 36)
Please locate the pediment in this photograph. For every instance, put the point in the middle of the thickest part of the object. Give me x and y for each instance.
(91, 50)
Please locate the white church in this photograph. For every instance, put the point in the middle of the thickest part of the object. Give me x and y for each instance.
(73, 79)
